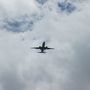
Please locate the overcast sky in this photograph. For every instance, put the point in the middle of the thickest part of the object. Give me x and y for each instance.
(64, 25)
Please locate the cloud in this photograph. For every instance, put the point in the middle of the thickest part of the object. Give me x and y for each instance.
(64, 68)
(79, 73)
(14, 8)
(10, 81)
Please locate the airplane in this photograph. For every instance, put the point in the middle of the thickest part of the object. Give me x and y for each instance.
(42, 48)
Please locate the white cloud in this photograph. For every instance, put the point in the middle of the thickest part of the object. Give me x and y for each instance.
(64, 68)
(15, 8)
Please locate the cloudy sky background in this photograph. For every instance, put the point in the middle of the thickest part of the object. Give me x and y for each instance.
(64, 25)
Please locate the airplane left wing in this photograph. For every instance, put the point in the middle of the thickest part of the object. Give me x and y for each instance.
(35, 48)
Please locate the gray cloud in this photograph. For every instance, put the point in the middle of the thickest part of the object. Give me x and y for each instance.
(10, 81)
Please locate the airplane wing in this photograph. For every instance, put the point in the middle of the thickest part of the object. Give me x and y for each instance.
(48, 48)
(35, 48)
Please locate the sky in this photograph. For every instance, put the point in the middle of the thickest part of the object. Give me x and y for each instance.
(63, 25)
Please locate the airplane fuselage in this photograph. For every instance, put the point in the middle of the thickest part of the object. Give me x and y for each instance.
(43, 47)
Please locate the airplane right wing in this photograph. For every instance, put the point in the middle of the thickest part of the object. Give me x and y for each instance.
(49, 48)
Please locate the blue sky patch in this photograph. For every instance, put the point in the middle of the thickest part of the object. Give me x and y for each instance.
(66, 6)
(18, 26)
(41, 1)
